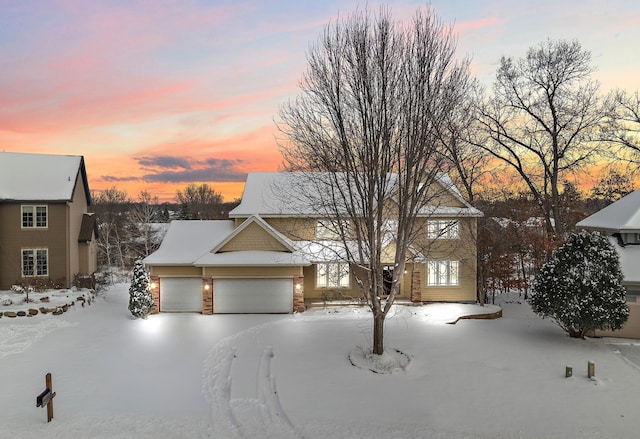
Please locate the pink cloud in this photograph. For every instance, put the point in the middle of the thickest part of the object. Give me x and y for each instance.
(466, 26)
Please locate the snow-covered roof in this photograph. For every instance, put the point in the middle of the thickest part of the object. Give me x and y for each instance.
(40, 177)
(195, 243)
(623, 215)
(288, 194)
(188, 240)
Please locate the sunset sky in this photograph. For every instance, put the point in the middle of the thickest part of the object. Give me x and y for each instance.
(156, 94)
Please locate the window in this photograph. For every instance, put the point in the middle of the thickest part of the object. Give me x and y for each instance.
(35, 262)
(442, 273)
(443, 229)
(330, 229)
(332, 275)
(34, 216)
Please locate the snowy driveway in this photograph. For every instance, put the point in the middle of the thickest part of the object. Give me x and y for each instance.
(629, 350)
(275, 376)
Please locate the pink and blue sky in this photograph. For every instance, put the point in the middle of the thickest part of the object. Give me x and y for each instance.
(157, 94)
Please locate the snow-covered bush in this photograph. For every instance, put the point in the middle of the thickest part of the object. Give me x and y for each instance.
(580, 286)
(140, 299)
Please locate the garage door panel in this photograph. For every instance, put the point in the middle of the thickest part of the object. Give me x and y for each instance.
(253, 295)
(180, 294)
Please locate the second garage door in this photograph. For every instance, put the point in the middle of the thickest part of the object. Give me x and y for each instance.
(253, 295)
(180, 294)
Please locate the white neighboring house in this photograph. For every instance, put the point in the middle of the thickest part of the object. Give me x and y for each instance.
(621, 222)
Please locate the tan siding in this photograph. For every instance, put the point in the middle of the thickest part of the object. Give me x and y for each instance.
(13, 238)
(253, 237)
(76, 210)
(631, 328)
(257, 272)
(296, 229)
(175, 271)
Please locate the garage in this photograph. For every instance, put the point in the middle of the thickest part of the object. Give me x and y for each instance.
(252, 296)
(180, 294)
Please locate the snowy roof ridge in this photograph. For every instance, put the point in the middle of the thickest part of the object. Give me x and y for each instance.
(622, 215)
(277, 194)
(40, 177)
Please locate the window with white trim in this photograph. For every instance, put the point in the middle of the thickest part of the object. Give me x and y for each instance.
(443, 229)
(34, 216)
(333, 275)
(35, 262)
(443, 273)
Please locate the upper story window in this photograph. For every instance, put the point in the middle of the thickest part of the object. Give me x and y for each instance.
(331, 229)
(34, 216)
(443, 229)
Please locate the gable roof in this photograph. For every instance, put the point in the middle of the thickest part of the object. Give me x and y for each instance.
(187, 240)
(254, 219)
(40, 177)
(195, 243)
(271, 194)
(623, 215)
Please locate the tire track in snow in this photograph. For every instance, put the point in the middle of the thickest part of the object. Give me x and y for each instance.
(245, 418)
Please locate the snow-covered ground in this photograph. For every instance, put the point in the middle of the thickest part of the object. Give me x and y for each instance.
(289, 376)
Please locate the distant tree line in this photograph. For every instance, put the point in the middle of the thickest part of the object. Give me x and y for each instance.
(131, 229)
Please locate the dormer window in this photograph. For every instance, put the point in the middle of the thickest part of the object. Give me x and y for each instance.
(34, 216)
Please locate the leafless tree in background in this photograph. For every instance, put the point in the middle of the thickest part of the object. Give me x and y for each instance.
(143, 216)
(545, 119)
(199, 201)
(368, 124)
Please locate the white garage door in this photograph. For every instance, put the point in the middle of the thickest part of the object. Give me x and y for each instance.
(252, 295)
(180, 294)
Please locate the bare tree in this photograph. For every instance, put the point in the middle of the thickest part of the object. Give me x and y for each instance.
(199, 201)
(143, 214)
(545, 119)
(111, 206)
(366, 130)
(625, 127)
(459, 132)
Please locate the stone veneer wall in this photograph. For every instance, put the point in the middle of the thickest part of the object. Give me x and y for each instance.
(155, 294)
(207, 295)
(298, 294)
(416, 287)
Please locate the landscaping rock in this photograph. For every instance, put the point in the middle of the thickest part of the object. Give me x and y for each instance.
(57, 312)
(22, 313)
(10, 314)
(33, 312)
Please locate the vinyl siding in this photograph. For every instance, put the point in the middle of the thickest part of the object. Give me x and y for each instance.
(253, 237)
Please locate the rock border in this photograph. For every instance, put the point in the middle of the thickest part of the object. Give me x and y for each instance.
(56, 311)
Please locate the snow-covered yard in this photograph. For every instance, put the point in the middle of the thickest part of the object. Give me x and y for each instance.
(189, 375)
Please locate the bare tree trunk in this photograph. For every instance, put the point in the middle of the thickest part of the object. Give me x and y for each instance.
(378, 333)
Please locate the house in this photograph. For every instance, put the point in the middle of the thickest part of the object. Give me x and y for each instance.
(621, 222)
(276, 254)
(47, 237)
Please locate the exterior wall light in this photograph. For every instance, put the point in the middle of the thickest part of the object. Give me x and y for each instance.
(207, 286)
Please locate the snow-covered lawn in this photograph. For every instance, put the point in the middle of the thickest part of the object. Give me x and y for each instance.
(288, 376)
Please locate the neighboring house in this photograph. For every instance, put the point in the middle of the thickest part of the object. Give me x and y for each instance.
(621, 222)
(46, 234)
(276, 255)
